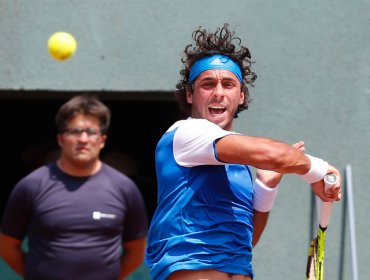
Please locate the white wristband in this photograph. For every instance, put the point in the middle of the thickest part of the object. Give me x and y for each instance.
(264, 196)
(317, 171)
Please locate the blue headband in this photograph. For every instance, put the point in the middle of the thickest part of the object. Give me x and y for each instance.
(216, 61)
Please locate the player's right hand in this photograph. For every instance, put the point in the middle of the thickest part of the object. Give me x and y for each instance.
(333, 193)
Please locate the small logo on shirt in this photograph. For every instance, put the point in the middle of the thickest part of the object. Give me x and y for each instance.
(99, 215)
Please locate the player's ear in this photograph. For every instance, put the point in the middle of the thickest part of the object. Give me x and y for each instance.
(241, 99)
(242, 96)
(189, 93)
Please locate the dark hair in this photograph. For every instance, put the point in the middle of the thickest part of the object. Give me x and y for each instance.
(85, 104)
(222, 41)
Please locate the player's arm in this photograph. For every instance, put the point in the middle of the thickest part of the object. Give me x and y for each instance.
(269, 179)
(259, 223)
(264, 201)
(262, 153)
(269, 154)
(12, 253)
(133, 256)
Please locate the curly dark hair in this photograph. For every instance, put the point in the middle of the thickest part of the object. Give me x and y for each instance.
(222, 41)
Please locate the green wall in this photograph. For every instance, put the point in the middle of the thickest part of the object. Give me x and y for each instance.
(313, 65)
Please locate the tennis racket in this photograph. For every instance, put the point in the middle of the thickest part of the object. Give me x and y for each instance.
(315, 260)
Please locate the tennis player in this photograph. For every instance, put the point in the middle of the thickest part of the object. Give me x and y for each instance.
(210, 213)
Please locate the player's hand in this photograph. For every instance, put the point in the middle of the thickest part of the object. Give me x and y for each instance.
(271, 178)
(333, 193)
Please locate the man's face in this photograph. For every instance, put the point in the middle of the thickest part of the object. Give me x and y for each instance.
(82, 142)
(216, 96)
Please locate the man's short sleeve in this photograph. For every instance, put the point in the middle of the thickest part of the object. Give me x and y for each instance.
(17, 212)
(136, 221)
(194, 142)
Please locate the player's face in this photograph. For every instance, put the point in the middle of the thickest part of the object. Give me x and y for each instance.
(216, 96)
(82, 142)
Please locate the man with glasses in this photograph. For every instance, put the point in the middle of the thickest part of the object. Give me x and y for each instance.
(82, 218)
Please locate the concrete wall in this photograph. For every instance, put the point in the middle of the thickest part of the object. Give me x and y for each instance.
(313, 65)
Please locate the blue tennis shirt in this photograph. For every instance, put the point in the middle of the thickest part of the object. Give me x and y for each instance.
(204, 217)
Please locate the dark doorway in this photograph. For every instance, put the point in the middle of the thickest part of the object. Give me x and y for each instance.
(28, 137)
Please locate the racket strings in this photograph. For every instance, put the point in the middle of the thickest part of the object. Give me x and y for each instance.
(312, 261)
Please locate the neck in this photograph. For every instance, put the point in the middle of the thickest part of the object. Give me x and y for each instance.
(79, 170)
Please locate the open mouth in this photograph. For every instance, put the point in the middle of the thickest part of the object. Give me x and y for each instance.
(216, 110)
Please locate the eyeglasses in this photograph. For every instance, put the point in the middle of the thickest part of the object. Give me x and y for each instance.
(77, 132)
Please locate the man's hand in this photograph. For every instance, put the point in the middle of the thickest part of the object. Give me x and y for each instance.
(331, 194)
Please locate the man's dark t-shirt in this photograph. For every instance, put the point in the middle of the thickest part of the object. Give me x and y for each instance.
(75, 226)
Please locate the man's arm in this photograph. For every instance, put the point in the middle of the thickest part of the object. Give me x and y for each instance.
(262, 153)
(259, 223)
(271, 180)
(11, 251)
(269, 154)
(133, 256)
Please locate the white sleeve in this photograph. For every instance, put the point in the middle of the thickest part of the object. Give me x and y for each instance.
(194, 140)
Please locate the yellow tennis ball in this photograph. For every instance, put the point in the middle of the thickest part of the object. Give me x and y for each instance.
(62, 45)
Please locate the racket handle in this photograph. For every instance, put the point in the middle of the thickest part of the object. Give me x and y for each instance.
(330, 180)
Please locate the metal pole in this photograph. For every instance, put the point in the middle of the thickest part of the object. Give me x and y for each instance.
(352, 223)
(343, 234)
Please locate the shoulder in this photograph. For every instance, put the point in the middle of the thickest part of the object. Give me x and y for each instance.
(113, 172)
(38, 174)
(118, 178)
(193, 142)
(198, 129)
(122, 184)
(33, 182)
(194, 123)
